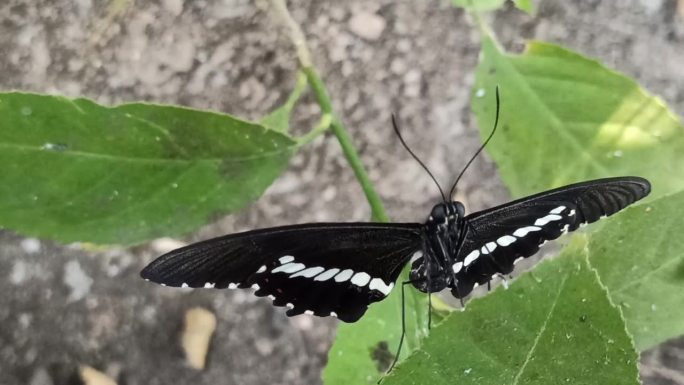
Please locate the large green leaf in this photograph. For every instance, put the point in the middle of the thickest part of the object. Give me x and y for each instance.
(77, 171)
(554, 325)
(639, 256)
(363, 350)
(566, 118)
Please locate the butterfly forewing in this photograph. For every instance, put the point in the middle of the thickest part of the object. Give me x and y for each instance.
(326, 268)
(494, 239)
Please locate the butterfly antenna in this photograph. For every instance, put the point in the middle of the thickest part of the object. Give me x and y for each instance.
(401, 139)
(496, 123)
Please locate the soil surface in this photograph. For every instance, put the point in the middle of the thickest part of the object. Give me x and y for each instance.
(64, 306)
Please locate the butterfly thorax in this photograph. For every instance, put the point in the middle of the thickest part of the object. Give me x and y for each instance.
(441, 234)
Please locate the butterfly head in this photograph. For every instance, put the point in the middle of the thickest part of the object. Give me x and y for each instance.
(446, 213)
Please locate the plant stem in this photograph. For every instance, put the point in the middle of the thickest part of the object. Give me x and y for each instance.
(321, 127)
(303, 54)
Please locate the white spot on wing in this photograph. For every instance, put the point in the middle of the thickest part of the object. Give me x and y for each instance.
(255, 287)
(488, 248)
(332, 313)
(286, 259)
(289, 268)
(309, 312)
(261, 269)
(289, 305)
(232, 286)
(326, 275)
(344, 275)
(572, 212)
(506, 240)
(379, 285)
(557, 210)
(457, 267)
(271, 297)
(523, 231)
(184, 285)
(310, 272)
(549, 218)
(360, 279)
(470, 258)
(209, 285)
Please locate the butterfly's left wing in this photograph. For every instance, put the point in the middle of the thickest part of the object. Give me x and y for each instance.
(494, 239)
(322, 268)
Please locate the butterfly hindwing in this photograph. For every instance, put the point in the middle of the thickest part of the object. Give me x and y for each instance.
(494, 239)
(325, 268)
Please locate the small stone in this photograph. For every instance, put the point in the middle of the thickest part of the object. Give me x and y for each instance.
(173, 6)
(200, 325)
(78, 281)
(398, 66)
(91, 376)
(41, 377)
(367, 25)
(164, 245)
(30, 245)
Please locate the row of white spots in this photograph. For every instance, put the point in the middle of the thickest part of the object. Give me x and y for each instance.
(211, 285)
(508, 240)
(318, 273)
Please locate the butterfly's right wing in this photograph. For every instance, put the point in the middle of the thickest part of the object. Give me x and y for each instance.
(321, 268)
(494, 239)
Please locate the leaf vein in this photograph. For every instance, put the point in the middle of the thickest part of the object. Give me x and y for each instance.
(528, 358)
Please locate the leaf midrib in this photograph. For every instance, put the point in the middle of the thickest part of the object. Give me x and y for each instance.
(122, 158)
(528, 358)
(556, 123)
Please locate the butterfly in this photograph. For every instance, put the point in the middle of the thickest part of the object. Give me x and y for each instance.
(339, 269)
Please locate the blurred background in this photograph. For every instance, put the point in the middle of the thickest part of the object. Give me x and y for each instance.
(63, 306)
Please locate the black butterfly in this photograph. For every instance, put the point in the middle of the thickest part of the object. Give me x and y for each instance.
(338, 269)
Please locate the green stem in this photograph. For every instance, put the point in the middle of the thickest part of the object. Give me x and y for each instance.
(321, 127)
(297, 37)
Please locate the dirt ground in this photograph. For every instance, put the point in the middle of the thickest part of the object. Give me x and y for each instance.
(63, 306)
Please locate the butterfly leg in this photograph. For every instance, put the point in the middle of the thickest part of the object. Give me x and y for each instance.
(403, 326)
(504, 281)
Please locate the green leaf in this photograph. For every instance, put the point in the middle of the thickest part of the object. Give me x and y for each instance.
(490, 5)
(566, 118)
(279, 119)
(77, 171)
(639, 256)
(363, 351)
(554, 325)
